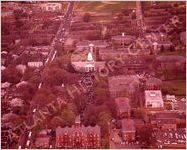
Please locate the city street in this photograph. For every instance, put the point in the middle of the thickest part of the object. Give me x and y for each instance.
(64, 27)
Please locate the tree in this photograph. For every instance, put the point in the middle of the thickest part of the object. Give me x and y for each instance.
(35, 80)
(63, 62)
(134, 16)
(145, 135)
(102, 93)
(86, 17)
(112, 107)
(124, 93)
(17, 13)
(162, 48)
(68, 117)
(167, 74)
(19, 23)
(37, 128)
(100, 84)
(80, 102)
(118, 124)
(172, 48)
(90, 116)
(46, 25)
(5, 107)
(105, 143)
(56, 76)
(11, 74)
(56, 121)
(59, 48)
(43, 97)
(104, 119)
(27, 91)
(28, 74)
(120, 17)
(5, 29)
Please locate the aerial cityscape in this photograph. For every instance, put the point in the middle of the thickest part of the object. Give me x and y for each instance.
(93, 74)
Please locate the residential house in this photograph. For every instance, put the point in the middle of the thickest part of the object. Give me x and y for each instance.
(170, 98)
(156, 36)
(3, 68)
(123, 107)
(128, 130)
(16, 102)
(153, 99)
(35, 64)
(117, 84)
(6, 136)
(5, 85)
(51, 6)
(21, 68)
(43, 139)
(78, 136)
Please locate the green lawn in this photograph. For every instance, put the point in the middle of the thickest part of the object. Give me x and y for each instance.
(104, 7)
(181, 53)
(88, 6)
(176, 87)
(100, 18)
(117, 7)
(179, 87)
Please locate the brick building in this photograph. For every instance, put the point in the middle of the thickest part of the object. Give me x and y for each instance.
(96, 43)
(122, 39)
(78, 136)
(51, 6)
(123, 107)
(167, 120)
(128, 130)
(108, 54)
(117, 84)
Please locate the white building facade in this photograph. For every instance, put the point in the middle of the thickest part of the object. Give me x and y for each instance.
(153, 99)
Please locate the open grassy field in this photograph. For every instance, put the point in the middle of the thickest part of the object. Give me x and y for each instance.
(176, 87)
(104, 7)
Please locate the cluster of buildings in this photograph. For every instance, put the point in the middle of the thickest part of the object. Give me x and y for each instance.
(93, 55)
(77, 136)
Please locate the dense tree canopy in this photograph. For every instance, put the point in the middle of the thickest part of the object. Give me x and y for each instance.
(27, 91)
(43, 97)
(86, 17)
(56, 76)
(11, 74)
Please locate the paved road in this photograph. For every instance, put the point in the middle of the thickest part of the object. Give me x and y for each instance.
(59, 38)
(62, 31)
(139, 17)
